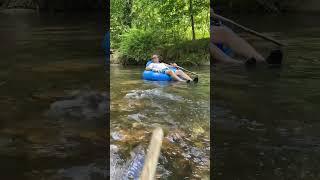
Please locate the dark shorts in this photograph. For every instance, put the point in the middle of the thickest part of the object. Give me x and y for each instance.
(166, 69)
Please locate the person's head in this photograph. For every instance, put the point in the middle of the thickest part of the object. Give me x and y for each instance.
(155, 58)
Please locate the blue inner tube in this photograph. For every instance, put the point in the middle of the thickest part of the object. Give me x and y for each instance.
(107, 46)
(154, 76)
(225, 49)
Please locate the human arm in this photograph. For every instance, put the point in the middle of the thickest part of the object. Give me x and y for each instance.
(171, 65)
(174, 65)
(149, 67)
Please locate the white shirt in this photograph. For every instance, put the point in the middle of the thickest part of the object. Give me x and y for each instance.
(157, 66)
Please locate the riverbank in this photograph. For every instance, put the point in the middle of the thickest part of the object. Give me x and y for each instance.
(190, 53)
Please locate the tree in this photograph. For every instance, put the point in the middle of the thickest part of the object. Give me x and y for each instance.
(192, 20)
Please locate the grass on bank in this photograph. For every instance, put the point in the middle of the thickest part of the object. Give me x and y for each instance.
(137, 46)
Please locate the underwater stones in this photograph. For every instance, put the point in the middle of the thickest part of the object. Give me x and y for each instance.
(117, 136)
(175, 136)
(136, 117)
(83, 105)
(26, 4)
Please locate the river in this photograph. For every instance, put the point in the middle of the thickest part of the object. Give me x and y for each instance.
(266, 120)
(181, 109)
(44, 59)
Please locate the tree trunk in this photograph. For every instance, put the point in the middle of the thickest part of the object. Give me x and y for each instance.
(127, 13)
(192, 21)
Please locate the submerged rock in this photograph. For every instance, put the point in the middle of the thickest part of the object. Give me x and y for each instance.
(117, 136)
(92, 171)
(157, 94)
(136, 117)
(115, 162)
(129, 170)
(136, 163)
(176, 148)
(80, 105)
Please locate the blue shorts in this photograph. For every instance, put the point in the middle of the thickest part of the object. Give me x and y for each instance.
(225, 49)
(166, 69)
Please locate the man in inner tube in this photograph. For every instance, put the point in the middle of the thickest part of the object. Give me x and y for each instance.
(220, 34)
(177, 75)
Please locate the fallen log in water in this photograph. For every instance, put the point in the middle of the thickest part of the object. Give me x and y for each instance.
(150, 165)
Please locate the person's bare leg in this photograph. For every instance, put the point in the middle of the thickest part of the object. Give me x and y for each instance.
(183, 75)
(224, 35)
(173, 75)
(219, 56)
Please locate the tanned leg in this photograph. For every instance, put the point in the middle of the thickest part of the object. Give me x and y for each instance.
(219, 56)
(224, 35)
(173, 75)
(183, 75)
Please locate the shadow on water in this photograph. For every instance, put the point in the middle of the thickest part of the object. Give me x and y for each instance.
(52, 64)
(182, 110)
(266, 120)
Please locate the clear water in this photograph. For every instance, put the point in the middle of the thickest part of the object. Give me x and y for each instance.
(182, 110)
(266, 121)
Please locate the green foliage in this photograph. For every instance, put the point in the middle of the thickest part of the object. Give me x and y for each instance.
(141, 27)
(138, 45)
(187, 52)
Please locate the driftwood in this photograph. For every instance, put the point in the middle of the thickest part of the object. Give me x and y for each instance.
(246, 29)
(151, 161)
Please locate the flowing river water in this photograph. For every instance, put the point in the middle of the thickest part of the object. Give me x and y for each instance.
(266, 120)
(51, 68)
(182, 110)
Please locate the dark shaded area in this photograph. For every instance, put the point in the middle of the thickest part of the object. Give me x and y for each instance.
(46, 59)
(56, 5)
(265, 120)
(270, 7)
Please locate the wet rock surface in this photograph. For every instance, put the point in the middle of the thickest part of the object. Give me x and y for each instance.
(27, 4)
(80, 105)
(93, 171)
(177, 145)
(137, 107)
(55, 144)
(68, 155)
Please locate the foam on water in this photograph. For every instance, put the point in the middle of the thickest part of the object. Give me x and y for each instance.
(152, 94)
(116, 167)
(130, 169)
(136, 117)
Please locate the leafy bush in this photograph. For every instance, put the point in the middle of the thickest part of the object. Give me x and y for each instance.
(143, 27)
(137, 45)
(188, 52)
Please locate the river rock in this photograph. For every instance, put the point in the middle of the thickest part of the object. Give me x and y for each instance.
(81, 105)
(27, 4)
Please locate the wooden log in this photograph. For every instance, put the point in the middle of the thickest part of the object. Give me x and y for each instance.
(151, 161)
(246, 29)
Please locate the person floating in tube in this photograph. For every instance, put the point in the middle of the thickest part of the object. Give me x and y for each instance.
(222, 35)
(176, 74)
